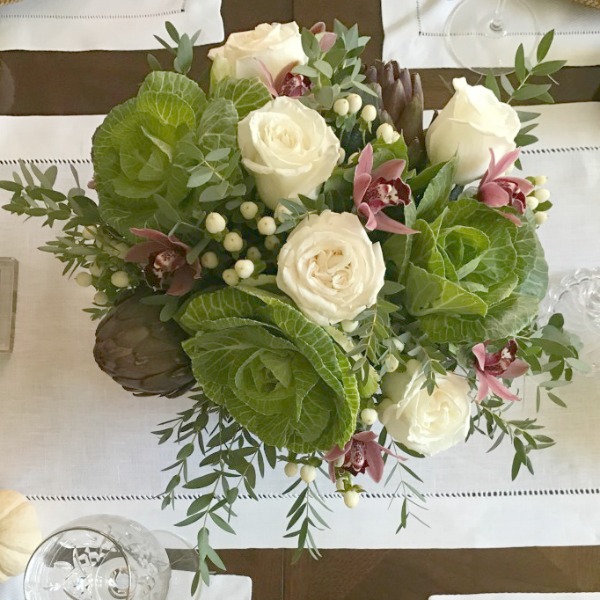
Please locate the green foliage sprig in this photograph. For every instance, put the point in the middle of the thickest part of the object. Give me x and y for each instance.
(518, 87)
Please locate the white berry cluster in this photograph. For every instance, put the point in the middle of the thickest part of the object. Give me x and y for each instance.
(233, 243)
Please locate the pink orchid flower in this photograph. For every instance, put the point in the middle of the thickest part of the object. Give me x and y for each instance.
(165, 262)
(285, 83)
(361, 454)
(496, 189)
(294, 85)
(375, 190)
(326, 38)
(502, 364)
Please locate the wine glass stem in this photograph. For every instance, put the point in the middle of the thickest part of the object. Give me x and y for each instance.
(496, 24)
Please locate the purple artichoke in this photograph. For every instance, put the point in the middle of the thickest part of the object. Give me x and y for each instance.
(401, 104)
(142, 353)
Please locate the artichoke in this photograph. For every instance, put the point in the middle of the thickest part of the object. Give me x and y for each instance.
(142, 353)
(401, 104)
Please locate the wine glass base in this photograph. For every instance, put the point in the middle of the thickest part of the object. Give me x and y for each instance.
(182, 575)
(478, 46)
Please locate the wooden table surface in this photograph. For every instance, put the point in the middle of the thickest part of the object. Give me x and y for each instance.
(63, 83)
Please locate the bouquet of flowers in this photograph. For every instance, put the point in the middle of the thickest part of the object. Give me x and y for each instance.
(334, 285)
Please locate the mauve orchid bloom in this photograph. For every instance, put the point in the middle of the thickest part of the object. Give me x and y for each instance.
(165, 262)
(294, 85)
(361, 454)
(286, 83)
(326, 38)
(496, 189)
(375, 190)
(502, 364)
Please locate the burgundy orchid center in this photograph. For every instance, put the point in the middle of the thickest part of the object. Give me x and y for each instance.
(355, 459)
(497, 363)
(163, 263)
(294, 86)
(386, 192)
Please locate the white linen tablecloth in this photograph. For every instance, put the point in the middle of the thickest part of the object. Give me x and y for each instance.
(76, 443)
(414, 31)
(229, 587)
(75, 25)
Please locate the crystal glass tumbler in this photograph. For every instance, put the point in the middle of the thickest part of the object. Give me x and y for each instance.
(102, 557)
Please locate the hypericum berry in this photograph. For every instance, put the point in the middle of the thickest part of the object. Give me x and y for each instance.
(351, 498)
(540, 180)
(341, 107)
(355, 103)
(215, 223)
(120, 279)
(84, 279)
(368, 416)
(542, 194)
(308, 473)
(244, 268)
(349, 326)
(233, 242)
(368, 113)
(267, 226)
(291, 469)
(340, 484)
(96, 270)
(100, 298)
(249, 210)
(230, 277)
(121, 249)
(209, 260)
(532, 202)
(541, 217)
(272, 242)
(253, 253)
(386, 132)
(391, 362)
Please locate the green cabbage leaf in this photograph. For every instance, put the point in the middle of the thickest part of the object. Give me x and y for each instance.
(472, 275)
(277, 373)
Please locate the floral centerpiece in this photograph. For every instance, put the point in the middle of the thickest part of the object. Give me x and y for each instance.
(335, 286)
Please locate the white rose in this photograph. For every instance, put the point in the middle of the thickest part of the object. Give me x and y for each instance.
(330, 268)
(289, 149)
(276, 46)
(427, 424)
(468, 126)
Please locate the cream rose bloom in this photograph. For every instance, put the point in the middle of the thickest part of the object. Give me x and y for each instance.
(468, 126)
(425, 423)
(289, 149)
(330, 268)
(276, 46)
